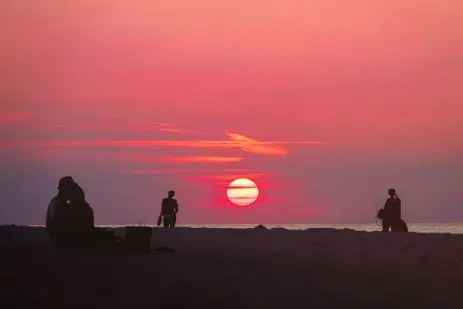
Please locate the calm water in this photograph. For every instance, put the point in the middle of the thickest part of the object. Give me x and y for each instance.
(454, 228)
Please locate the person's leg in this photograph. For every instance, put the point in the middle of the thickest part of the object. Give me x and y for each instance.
(57, 237)
(174, 220)
(394, 226)
(166, 221)
(386, 225)
(399, 226)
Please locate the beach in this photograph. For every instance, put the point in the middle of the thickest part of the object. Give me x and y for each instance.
(238, 268)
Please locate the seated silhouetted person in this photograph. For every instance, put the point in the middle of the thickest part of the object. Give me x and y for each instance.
(391, 214)
(70, 221)
(58, 220)
(85, 234)
(169, 210)
(82, 221)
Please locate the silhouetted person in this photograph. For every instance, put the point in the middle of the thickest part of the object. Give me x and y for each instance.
(83, 213)
(169, 210)
(392, 213)
(71, 225)
(82, 221)
(59, 213)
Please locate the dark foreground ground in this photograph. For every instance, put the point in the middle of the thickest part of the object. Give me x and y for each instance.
(215, 268)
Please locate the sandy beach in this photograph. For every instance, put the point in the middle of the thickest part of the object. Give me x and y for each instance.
(232, 268)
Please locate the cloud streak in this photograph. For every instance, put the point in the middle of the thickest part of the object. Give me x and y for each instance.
(200, 159)
(14, 116)
(141, 126)
(251, 145)
(174, 130)
(233, 176)
(237, 141)
(153, 171)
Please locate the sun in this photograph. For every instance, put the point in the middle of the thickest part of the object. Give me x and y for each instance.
(242, 192)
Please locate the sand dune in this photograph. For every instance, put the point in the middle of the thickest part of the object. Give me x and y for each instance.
(230, 268)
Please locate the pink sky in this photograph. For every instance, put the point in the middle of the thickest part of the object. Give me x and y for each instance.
(134, 98)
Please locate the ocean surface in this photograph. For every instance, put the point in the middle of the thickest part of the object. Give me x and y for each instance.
(453, 228)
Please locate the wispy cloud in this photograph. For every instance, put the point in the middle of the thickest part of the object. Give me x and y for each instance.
(227, 177)
(200, 159)
(238, 187)
(174, 130)
(141, 126)
(153, 171)
(251, 145)
(6, 116)
(237, 141)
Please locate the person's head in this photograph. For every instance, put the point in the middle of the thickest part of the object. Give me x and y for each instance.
(171, 193)
(77, 193)
(65, 187)
(391, 192)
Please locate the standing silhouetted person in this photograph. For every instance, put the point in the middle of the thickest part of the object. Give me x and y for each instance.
(392, 213)
(169, 210)
(59, 213)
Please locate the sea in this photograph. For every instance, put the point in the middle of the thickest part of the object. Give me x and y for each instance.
(441, 228)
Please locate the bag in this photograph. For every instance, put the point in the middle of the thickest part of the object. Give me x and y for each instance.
(101, 238)
(380, 214)
(138, 237)
(159, 220)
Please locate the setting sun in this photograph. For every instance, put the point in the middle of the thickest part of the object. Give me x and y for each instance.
(242, 192)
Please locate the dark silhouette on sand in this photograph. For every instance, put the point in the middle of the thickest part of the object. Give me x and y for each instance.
(82, 212)
(58, 221)
(169, 210)
(70, 224)
(139, 237)
(391, 214)
(70, 221)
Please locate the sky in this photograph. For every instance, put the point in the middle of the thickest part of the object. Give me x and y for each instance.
(325, 105)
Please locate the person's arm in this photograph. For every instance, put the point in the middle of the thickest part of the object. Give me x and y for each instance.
(176, 207)
(51, 214)
(399, 207)
(162, 206)
(386, 205)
